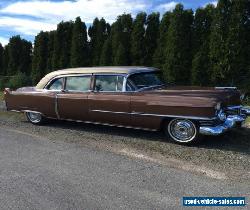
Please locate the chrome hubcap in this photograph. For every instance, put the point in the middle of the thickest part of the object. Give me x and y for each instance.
(182, 130)
(34, 117)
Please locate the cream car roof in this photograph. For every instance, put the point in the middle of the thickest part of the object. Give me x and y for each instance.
(93, 70)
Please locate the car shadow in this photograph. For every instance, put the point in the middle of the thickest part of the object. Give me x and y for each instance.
(109, 130)
(236, 140)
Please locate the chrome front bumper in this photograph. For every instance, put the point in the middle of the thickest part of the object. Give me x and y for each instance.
(229, 123)
(246, 111)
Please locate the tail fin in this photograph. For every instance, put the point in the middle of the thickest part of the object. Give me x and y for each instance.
(6, 92)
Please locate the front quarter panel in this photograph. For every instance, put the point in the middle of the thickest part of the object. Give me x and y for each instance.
(150, 109)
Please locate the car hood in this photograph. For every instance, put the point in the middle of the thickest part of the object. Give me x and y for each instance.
(227, 96)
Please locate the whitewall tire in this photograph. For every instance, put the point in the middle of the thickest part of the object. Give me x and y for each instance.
(35, 118)
(182, 131)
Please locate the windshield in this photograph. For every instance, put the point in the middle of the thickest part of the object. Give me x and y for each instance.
(145, 80)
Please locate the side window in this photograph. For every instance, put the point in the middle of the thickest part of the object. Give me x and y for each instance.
(57, 84)
(79, 83)
(129, 86)
(120, 80)
(109, 83)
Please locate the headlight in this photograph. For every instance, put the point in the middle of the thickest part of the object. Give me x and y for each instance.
(222, 116)
(218, 106)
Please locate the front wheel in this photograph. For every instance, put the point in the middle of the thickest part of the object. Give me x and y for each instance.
(182, 131)
(35, 118)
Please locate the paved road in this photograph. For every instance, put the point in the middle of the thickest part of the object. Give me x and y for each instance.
(38, 173)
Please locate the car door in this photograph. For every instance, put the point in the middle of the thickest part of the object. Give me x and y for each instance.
(109, 103)
(143, 108)
(72, 101)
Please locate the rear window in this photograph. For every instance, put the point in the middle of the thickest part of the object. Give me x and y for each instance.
(56, 84)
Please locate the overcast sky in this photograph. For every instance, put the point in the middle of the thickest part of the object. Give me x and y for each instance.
(28, 17)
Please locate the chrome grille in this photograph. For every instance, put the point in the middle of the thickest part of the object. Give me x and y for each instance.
(233, 110)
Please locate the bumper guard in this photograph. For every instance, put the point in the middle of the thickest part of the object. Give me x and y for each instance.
(229, 123)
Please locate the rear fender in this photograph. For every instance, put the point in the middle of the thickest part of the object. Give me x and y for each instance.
(6, 94)
(12, 100)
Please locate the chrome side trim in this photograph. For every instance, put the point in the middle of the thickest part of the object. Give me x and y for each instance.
(104, 111)
(176, 116)
(56, 107)
(13, 110)
(218, 88)
(156, 115)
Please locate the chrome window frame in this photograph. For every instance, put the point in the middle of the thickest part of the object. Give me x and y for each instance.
(138, 89)
(92, 75)
(110, 74)
(64, 83)
(78, 91)
(51, 81)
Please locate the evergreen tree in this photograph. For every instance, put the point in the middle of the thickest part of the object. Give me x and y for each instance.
(238, 44)
(25, 64)
(40, 56)
(159, 54)
(120, 38)
(120, 57)
(106, 55)
(138, 39)
(5, 59)
(218, 43)
(98, 33)
(14, 54)
(201, 36)
(177, 67)
(51, 41)
(211, 47)
(151, 36)
(1, 60)
(19, 56)
(79, 46)
(62, 45)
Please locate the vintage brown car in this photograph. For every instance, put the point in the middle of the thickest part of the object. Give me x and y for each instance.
(132, 97)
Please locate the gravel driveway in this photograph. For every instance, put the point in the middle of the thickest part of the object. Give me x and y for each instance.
(224, 157)
(2, 106)
(39, 173)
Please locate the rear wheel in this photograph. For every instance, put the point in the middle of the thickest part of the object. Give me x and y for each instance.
(35, 118)
(182, 131)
